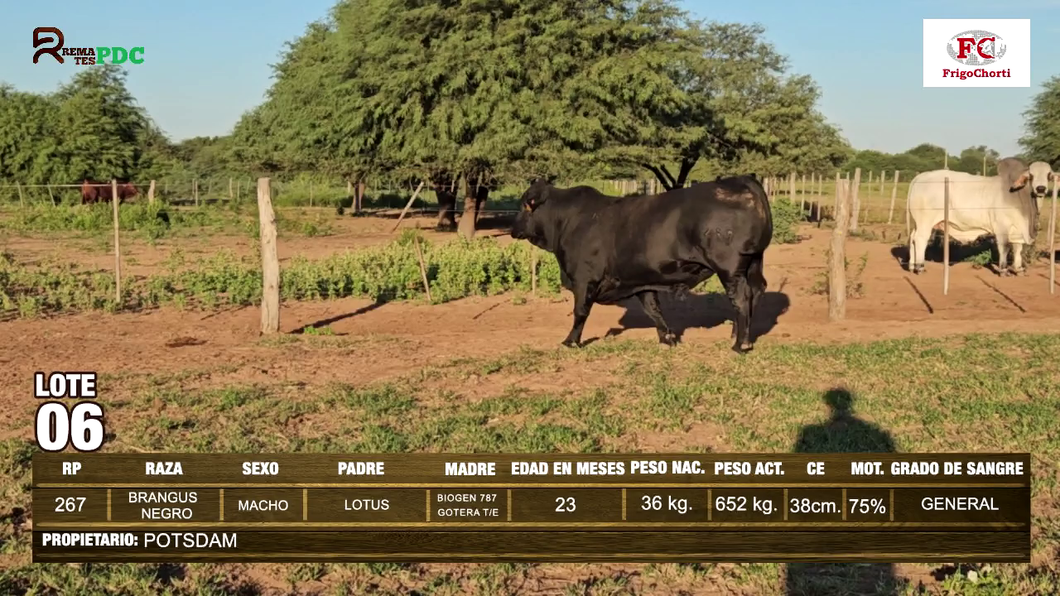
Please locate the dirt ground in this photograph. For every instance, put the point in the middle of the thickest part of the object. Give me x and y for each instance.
(893, 304)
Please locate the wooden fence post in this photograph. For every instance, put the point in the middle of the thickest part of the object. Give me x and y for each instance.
(894, 195)
(883, 182)
(946, 237)
(151, 193)
(856, 200)
(837, 273)
(231, 197)
(407, 205)
(835, 206)
(270, 263)
(21, 201)
(52, 196)
(1052, 237)
(195, 190)
(117, 246)
(802, 201)
(791, 186)
(423, 268)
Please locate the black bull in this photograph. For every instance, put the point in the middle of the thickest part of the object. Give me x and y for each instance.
(610, 249)
(100, 192)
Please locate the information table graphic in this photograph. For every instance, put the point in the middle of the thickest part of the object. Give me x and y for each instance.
(101, 507)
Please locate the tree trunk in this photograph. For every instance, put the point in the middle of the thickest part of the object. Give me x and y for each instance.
(668, 180)
(359, 201)
(444, 189)
(481, 195)
(466, 229)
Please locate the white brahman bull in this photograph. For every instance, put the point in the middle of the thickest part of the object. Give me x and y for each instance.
(1002, 206)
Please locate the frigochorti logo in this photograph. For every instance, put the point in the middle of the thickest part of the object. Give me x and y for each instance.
(975, 49)
(975, 53)
(54, 45)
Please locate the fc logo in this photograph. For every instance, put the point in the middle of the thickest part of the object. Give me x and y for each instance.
(976, 47)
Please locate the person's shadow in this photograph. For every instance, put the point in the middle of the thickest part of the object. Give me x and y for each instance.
(842, 433)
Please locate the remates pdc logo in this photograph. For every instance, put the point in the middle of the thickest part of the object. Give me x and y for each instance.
(976, 47)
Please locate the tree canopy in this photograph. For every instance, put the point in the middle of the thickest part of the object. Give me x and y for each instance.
(925, 157)
(90, 128)
(508, 90)
(1042, 141)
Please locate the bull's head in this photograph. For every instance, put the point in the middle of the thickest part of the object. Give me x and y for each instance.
(1037, 176)
(525, 226)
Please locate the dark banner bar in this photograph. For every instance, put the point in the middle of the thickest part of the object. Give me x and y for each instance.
(169, 545)
(889, 469)
(488, 507)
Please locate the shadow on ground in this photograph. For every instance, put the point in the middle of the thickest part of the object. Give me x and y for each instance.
(842, 433)
(328, 321)
(688, 311)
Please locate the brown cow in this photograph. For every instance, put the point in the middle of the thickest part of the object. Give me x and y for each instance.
(97, 192)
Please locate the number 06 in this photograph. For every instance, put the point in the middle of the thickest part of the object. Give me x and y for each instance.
(58, 426)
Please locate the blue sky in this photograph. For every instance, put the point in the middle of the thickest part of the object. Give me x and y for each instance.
(208, 62)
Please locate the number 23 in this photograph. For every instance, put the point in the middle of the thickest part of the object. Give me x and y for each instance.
(564, 504)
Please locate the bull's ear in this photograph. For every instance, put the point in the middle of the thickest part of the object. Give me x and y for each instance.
(537, 195)
(1021, 181)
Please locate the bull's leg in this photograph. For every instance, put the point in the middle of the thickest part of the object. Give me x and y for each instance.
(757, 281)
(1002, 258)
(1017, 257)
(739, 291)
(912, 254)
(919, 255)
(583, 303)
(650, 301)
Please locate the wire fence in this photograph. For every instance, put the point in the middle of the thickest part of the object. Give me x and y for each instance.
(879, 197)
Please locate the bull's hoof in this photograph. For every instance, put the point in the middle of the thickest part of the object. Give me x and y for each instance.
(570, 343)
(1005, 273)
(743, 348)
(669, 340)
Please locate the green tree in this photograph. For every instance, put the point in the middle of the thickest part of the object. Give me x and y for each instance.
(744, 112)
(480, 91)
(316, 113)
(979, 160)
(28, 137)
(1042, 122)
(102, 126)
